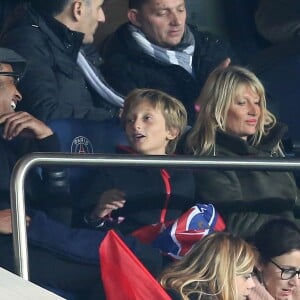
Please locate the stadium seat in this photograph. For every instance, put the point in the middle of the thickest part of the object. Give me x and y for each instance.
(86, 136)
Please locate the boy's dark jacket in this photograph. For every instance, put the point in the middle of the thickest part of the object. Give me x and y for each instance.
(145, 193)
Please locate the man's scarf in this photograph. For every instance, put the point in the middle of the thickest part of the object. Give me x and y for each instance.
(181, 55)
(97, 81)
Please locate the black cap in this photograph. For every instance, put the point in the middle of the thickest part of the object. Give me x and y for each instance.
(18, 63)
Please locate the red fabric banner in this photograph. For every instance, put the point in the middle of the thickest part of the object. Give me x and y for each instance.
(123, 275)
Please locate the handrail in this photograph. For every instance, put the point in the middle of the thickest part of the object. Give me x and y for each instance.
(34, 159)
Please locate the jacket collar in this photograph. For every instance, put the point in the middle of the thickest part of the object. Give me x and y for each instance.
(60, 35)
(70, 39)
(124, 149)
(242, 147)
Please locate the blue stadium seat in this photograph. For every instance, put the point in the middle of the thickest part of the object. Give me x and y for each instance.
(86, 136)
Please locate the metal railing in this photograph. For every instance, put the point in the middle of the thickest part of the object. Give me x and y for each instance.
(67, 159)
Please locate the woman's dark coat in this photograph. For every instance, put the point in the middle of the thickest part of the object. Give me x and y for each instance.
(247, 199)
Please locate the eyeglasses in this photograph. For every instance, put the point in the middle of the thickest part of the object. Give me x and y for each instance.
(15, 76)
(286, 274)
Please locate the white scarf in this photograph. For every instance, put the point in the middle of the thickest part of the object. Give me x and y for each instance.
(182, 55)
(97, 81)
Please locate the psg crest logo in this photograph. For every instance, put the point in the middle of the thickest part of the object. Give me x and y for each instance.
(81, 145)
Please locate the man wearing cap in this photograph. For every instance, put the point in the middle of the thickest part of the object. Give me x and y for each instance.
(22, 124)
(50, 35)
(14, 126)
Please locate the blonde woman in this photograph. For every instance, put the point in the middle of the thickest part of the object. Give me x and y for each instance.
(234, 122)
(219, 267)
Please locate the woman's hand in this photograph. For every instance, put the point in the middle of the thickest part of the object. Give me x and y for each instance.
(110, 200)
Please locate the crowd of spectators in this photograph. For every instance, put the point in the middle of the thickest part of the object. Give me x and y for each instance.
(156, 74)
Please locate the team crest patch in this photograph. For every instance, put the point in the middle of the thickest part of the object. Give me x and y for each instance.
(81, 145)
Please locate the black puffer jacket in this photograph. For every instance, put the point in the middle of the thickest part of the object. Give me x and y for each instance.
(247, 199)
(53, 86)
(126, 67)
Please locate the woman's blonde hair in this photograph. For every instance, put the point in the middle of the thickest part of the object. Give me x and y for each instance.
(214, 101)
(172, 109)
(211, 267)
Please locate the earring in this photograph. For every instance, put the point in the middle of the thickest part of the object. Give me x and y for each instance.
(13, 105)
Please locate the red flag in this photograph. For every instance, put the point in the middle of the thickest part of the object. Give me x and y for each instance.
(123, 275)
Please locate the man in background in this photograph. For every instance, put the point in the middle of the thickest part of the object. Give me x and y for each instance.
(59, 257)
(49, 35)
(157, 49)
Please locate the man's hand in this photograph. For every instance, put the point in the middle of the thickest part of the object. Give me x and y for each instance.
(225, 63)
(24, 124)
(110, 200)
(5, 221)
